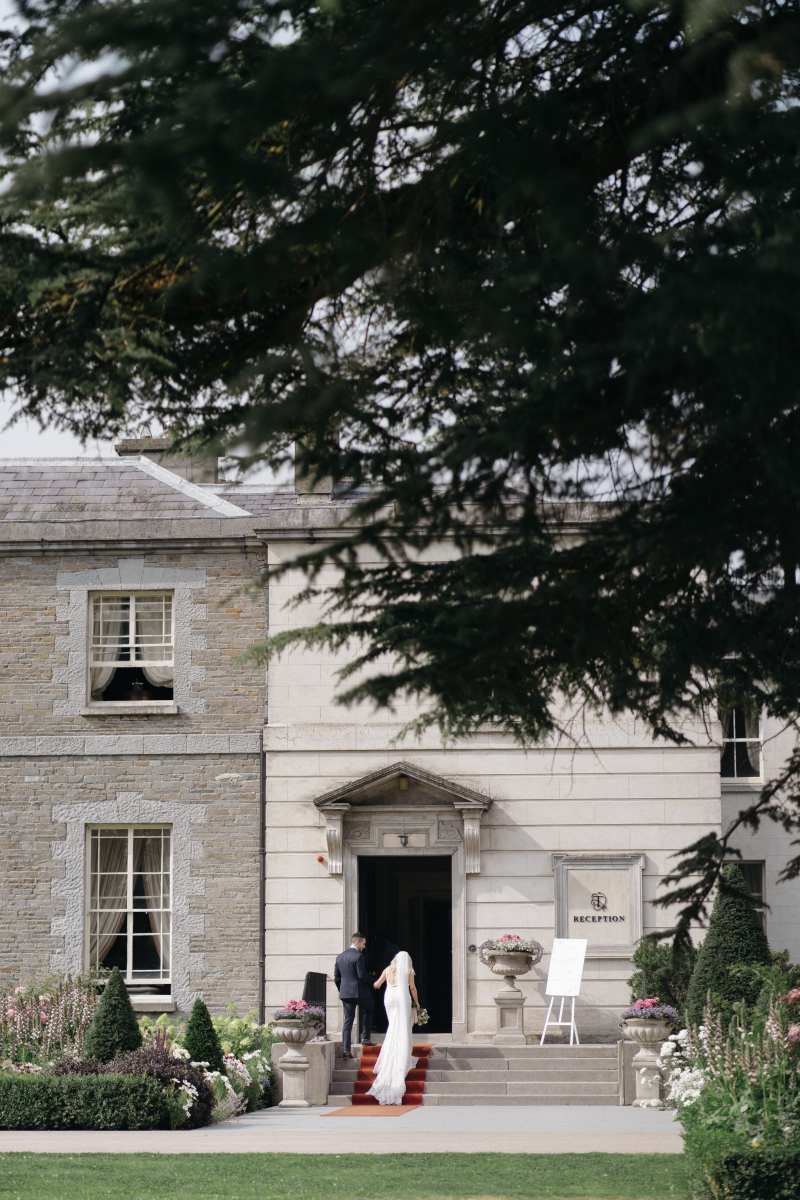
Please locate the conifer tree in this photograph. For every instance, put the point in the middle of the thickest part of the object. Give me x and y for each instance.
(735, 936)
(201, 1039)
(114, 1028)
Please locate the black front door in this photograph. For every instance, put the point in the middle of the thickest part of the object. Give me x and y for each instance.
(405, 903)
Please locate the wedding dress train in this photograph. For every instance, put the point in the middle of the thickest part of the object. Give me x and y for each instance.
(395, 1059)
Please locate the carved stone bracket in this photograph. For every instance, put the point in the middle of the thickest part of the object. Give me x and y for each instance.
(334, 832)
(472, 838)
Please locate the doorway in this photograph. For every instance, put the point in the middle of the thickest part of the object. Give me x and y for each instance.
(406, 904)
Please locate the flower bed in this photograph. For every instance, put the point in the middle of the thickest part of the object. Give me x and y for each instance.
(43, 1036)
(736, 1085)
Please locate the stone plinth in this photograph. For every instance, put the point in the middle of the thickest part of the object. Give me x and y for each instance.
(510, 1017)
(319, 1057)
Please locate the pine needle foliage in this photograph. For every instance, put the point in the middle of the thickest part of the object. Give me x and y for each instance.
(523, 272)
(201, 1038)
(114, 1028)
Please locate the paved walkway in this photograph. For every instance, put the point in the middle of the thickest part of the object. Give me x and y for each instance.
(567, 1129)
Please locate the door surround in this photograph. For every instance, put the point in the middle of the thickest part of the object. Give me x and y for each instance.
(402, 811)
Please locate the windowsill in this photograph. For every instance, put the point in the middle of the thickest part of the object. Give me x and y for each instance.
(154, 1003)
(731, 784)
(119, 708)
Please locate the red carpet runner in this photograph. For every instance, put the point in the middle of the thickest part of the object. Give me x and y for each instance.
(415, 1080)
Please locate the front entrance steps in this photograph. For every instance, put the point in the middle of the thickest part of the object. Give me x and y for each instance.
(470, 1074)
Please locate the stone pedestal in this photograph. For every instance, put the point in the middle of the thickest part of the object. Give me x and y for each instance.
(320, 1059)
(648, 1078)
(648, 1036)
(510, 1015)
(293, 1066)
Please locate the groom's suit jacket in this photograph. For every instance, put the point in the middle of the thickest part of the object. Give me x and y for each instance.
(350, 976)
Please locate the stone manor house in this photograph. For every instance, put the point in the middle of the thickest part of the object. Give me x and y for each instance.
(210, 826)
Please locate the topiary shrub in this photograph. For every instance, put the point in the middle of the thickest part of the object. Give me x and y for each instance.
(662, 970)
(735, 936)
(201, 1038)
(81, 1102)
(114, 1028)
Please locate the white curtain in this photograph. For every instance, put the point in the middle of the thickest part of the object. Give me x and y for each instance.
(149, 867)
(112, 883)
(106, 625)
(148, 625)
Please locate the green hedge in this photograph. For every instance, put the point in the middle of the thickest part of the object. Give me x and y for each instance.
(724, 1166)
(756, 1175)
(81, 1102)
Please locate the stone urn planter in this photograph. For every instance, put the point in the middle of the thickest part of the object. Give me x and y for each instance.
(510, 956)
(294, 1025)
(293, 1031)
(645, 1033)
(648, 1023)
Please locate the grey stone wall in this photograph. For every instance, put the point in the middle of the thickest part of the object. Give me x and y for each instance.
(212, 802)
(224, 612)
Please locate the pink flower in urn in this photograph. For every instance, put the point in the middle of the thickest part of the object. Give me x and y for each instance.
(793, 1035)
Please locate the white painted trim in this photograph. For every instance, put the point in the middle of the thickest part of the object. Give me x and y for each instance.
(179, 484)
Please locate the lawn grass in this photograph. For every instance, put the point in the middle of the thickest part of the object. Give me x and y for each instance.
(321, 1177)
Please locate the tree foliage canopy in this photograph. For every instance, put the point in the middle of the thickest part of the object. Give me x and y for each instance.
(493, 258)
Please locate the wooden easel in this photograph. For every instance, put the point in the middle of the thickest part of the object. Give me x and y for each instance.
(564, 983)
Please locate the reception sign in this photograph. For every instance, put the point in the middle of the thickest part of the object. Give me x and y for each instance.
(599, 898)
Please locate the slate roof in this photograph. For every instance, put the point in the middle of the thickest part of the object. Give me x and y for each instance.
(110, 497)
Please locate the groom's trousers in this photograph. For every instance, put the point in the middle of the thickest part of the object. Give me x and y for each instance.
(364, 1006)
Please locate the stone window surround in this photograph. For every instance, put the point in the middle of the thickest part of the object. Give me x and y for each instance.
(130, 574)
(129, 808)
(633, 864)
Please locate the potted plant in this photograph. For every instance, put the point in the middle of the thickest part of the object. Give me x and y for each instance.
(510, 955)
(296, 1022)
(648, 1021)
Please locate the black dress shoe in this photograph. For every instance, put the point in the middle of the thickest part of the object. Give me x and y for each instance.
(346, 1054)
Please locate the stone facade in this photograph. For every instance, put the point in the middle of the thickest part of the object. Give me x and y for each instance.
(334, 786)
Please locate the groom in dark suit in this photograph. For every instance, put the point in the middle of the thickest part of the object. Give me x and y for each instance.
(352, 981)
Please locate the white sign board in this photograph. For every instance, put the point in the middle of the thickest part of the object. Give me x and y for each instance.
(566, 967)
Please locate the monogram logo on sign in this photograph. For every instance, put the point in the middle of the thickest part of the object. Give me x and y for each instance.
(599, 901)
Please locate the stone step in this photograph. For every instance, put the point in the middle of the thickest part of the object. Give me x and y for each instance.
(343, 1101)
(529, 1076)
(527, 1087)
(549, 1051)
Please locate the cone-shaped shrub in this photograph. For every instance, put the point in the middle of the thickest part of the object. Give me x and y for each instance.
(735, 936)
(201, 1037)
(114, 1028)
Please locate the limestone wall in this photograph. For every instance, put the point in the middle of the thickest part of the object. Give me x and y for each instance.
(212, 803)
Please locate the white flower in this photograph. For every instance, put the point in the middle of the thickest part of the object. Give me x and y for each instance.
(179, 1052)
(684, 1087)
(668, 1049)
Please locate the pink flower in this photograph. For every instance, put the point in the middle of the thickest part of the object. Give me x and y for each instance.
(296, 1006)
(12, 1012)
(792, 997)
(793, 1035)
(43, 1016)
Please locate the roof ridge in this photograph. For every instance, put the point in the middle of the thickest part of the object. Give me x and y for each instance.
(193, 490)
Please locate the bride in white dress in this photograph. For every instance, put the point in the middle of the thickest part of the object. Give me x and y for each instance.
(395, 1060)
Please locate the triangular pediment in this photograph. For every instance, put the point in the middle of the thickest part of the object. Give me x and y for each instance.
(403, 785)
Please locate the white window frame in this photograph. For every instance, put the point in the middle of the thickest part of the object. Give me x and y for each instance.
(131, 596)
(741, 741)
(165, 978)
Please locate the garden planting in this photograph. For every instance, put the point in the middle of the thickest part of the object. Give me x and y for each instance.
(731, 1066)
(73, 1059)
